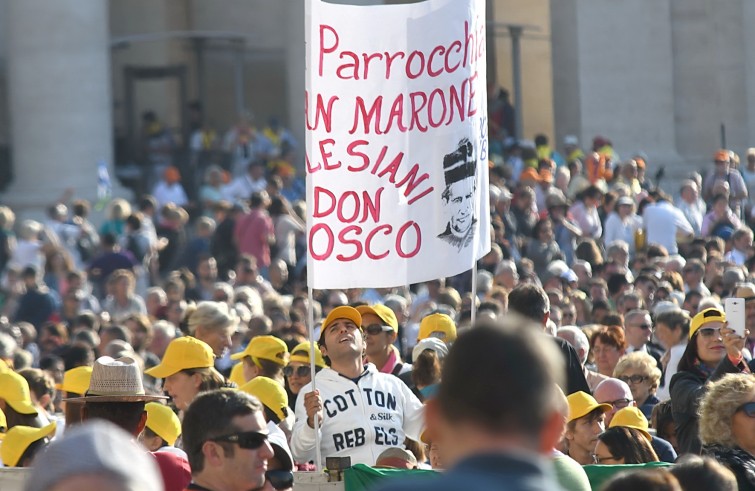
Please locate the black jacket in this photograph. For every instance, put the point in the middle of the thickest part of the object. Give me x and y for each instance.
(575, 377)
(741, 463)
(687, 389)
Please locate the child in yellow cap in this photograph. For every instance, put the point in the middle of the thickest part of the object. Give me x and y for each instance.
(162, 430)
(264, 356)
(22, 443)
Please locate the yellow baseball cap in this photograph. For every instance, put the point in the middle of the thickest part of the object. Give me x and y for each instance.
(266, 348)
(300, 354)
(163, 422)
(384, 313)
(3, 424)
(269, 392)
(181, 354)
(3, 366)
(708, 315)
(438, 326)
(14, 390)
(631, 417)
(18, 439)
(582, 404)
(343, 312)
(76, 380)
(237, 375)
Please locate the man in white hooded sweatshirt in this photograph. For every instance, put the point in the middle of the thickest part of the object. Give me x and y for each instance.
(361, 412)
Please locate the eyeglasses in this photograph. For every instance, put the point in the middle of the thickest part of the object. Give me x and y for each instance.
(709, 332)
(619, 403)
(633, 379)
(302, 371)
(748, 408)
(375, 329)
(280, 479)
(645, 327)
(597, 459)
(250, 440)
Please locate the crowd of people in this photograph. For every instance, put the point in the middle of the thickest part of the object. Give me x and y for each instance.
(600, 338)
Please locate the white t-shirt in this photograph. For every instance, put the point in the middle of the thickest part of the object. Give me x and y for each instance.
(662, 223)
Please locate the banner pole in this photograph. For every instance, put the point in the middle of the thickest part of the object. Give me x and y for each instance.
(474, 293)
(311, 315)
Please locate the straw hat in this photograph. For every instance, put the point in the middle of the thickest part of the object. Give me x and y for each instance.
(116, 380)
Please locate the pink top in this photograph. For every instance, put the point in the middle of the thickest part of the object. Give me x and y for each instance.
(252, 232)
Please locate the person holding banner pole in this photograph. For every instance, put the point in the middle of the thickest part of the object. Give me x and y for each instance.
(355, 411)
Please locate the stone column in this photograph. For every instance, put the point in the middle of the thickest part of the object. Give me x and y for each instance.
(620, 55)
(295, 61)
(60, 103)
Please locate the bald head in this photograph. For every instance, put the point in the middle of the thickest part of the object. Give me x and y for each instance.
(615, 392)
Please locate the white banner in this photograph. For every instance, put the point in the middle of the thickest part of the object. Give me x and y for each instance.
(397, 142)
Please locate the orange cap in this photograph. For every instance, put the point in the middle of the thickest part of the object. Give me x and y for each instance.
(721, 155)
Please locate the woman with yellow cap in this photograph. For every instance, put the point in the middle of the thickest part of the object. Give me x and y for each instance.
(712, 351)
(188, 369)
(298, 371)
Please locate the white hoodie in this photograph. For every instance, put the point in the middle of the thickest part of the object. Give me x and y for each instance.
(360, 419)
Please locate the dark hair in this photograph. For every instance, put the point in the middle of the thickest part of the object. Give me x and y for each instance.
(126, 415)
(117, 332)
(675, 319)
(14, 418)
(426, 369)
(520, 405)
(32, 450)
(88, 319)
(616, 282)
(696, 473)
(529, 301)
(647, 480)
(539, 225)
(629, 444)
(151, 434)
(268, 368)
(40, 382)
(690, 356)
(588, 250)
(80, 353)
(256, 199)
(661, 417)
(211, 415)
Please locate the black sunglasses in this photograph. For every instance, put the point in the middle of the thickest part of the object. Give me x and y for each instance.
(302, 371)
(375, 329)
(250, 440)
(280, 479)
(748, 408)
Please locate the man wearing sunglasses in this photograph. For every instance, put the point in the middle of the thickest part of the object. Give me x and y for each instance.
(360, 411)
(618, 394)
(639, 330)
(226, 439)
(380, 328)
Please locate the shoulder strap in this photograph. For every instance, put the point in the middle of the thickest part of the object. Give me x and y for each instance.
(397, 369)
